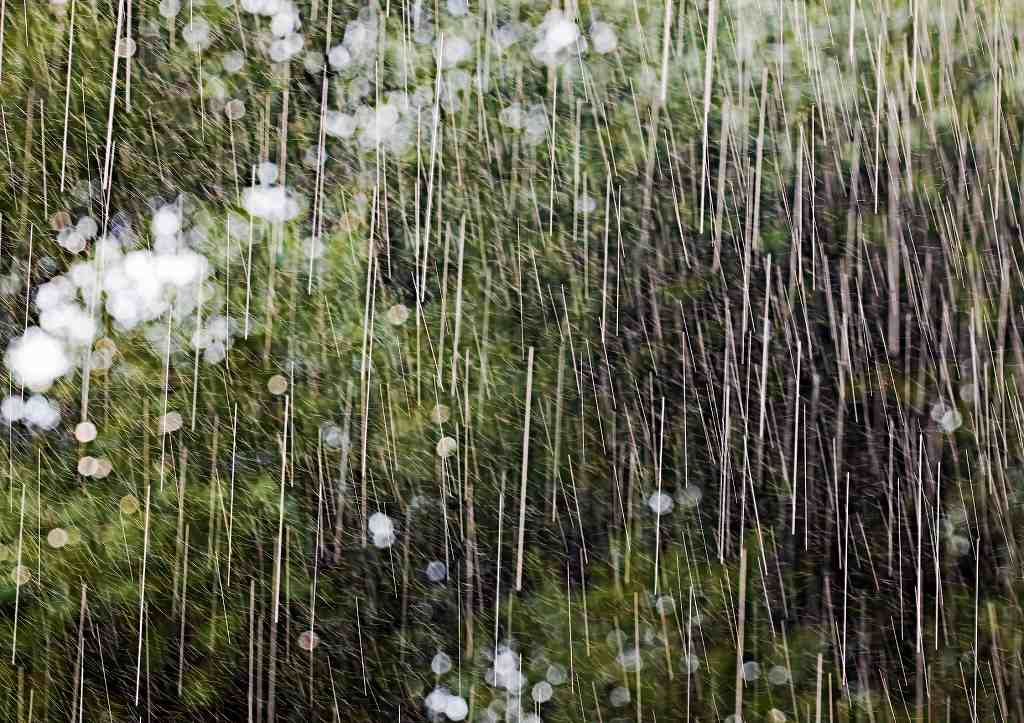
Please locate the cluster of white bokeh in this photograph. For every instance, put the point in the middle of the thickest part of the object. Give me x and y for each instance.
(505, 674)
(391, 119)
(35, 412)
(269, 200)
(390, 125)
(442, 703)
(631, 660)
(73, 238)
(371, 117)
(357, 49)
(532, 121)
(133, 288)
(558, 39)
(214, 338)
(662, 503)
(284, 40)
(281, 39)
(519, 701)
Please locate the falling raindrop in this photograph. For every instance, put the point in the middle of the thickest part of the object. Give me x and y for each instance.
(277, 385)
(129, 505)
(660, 503)
(690, 663)
(630, 660)
(234, 109)
(57, 538)
(778, 675)
(436, 571)
(556, 674)
(690, 496)
(308, 640)
(85, 432)
(170, 422)
(456, 708)
(87, 466)
(751, 671)
(441, 664)
(619, 696)
(440, 414)
(446, 447)
(21, 574)
(103, 468)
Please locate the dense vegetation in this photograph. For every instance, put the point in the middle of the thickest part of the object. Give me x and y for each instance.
(511, 361)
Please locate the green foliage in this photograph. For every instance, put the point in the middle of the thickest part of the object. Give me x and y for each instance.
(749, 301)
